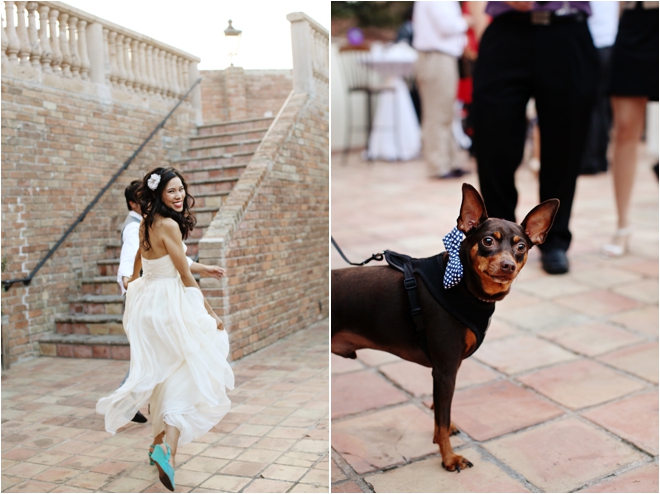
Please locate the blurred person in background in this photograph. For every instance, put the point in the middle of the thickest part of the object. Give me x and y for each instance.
(633, 83)
(542, 50)
(439, 37)
(603, 23)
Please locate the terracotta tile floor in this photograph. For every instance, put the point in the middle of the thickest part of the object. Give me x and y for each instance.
(275, 439)
(563, 394)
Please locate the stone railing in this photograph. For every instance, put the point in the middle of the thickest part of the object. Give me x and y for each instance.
(55, 38)
(310, 53)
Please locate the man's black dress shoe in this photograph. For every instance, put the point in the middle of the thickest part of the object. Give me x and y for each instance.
(554, 261)
(139, 418)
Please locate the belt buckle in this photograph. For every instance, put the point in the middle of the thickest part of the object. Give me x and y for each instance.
(541, 17)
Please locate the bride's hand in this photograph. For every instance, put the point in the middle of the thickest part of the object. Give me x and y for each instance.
(219, 323)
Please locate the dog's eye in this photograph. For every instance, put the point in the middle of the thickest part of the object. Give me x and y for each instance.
(488, 241)
(521, 247)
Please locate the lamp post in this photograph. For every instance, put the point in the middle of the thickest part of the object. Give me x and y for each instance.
(233, 39)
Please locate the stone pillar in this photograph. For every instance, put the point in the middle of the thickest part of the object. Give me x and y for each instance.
(96, 52)
(235, 93)
(196, 95)
(301, 48)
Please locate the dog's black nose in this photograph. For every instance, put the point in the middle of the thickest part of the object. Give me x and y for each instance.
(508, 266)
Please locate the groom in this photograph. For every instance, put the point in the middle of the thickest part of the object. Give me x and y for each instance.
(130, 242)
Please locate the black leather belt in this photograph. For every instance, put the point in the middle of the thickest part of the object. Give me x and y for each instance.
(542, 17)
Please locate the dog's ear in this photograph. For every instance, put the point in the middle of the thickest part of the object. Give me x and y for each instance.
(539, 220)
(473, 210)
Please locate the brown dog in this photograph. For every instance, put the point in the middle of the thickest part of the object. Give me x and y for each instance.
(372, 309)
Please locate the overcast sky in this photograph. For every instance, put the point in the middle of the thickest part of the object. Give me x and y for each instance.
(196, 26)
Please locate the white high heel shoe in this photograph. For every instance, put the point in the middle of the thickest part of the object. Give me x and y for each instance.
(621, 247)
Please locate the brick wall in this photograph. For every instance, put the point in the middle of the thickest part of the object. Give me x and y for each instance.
(62, 140)
(234, 93)
(272, 233)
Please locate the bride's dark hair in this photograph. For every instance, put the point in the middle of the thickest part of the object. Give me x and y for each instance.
(151, 203)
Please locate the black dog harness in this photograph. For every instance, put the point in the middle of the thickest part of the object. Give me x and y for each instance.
(466, 308)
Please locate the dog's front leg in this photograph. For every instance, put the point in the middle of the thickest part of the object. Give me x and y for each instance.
(444, 381)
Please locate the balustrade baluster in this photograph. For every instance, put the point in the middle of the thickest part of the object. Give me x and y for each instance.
(158, 68)
(113, 57)
(166, 75)
(56, 62)
(21, 29)
(173, 75)
(46, 50)
(5, 42)
(130, 78)
(121, 64)
(180, 79)
(144, 80)
(13, 43)
(155, 73)
(82, 48)
(35, 48)
(64, 46)
(106, 57)
(135, 62)
(73, 47)
(185, 75)
(151, 84)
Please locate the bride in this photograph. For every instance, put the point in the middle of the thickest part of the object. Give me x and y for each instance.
(178, 344)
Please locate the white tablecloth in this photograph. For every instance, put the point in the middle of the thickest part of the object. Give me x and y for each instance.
(395, 134)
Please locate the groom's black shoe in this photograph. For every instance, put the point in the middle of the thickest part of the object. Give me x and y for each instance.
(139, 418)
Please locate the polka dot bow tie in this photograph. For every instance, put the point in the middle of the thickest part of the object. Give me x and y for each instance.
(454, 268)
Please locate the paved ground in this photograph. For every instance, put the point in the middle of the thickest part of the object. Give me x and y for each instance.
(563, 394)
(275, 439)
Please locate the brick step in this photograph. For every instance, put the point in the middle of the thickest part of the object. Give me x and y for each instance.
(108, 267)
(193, 246)
(234, 125)
(85, 346)
(214, 171)
(211, 199)
(233, 148)
(198, 231)
(205, 215)
(228, 137)
(95, 324)
(97, 304)
(213, 185)
(188, 164)
(113, 248)
(100, 285)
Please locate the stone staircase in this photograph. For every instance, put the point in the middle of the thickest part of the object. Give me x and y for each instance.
(211, 166)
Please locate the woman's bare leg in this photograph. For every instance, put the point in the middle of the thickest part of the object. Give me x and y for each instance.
(628, 125)
(158, 440)
(172, 438)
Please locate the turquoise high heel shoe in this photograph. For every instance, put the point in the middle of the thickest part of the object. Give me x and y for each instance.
(165, 470)
(152, 447)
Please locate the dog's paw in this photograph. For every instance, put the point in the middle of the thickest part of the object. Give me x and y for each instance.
(456, 463)
(453, 430)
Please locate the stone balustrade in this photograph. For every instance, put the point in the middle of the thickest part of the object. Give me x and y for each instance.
(55, 38)
(310, 54)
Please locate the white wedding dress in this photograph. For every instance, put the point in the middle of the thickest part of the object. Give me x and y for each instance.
(178, 357)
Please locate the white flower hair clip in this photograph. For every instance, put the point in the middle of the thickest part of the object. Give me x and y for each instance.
(153, 181)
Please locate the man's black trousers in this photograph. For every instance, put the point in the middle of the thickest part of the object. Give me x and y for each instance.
(558, 66)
